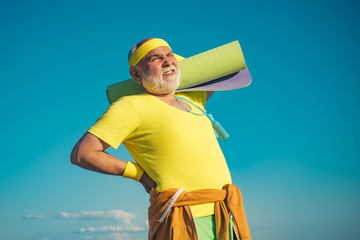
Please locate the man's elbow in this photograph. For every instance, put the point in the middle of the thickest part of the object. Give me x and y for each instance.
(85, 151)
(74, 156)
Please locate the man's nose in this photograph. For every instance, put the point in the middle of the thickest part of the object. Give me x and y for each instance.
(167, 61)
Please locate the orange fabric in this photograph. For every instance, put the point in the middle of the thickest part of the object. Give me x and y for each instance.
(179, 222)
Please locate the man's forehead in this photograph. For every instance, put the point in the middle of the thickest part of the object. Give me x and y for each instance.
(159, 50)
(156, 52)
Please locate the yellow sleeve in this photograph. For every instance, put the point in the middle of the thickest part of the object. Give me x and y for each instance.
(117, 124)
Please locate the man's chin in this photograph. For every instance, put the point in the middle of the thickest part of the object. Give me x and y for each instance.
(160, 91)
(165, 87)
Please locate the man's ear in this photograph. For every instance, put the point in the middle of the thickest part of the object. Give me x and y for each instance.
(134, 73)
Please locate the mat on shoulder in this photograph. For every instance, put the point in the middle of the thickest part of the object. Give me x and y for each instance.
(219, 69)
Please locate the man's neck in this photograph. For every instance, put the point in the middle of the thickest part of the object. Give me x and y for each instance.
(170, 95)
(170, 99)
(165, 96)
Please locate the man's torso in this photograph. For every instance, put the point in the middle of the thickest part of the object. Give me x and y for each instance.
(177, 149)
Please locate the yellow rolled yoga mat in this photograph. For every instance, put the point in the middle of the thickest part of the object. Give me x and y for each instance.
(219, 69)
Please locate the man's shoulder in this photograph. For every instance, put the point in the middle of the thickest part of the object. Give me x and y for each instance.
(132, 103)
(192, 94)
(132, 98)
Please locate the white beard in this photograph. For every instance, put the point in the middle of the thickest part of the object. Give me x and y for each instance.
(157, 85)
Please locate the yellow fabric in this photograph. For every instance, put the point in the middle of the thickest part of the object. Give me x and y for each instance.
(176, 149)
(147, 47)
(133, 171)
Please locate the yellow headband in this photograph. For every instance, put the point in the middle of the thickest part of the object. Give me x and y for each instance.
(147, 47)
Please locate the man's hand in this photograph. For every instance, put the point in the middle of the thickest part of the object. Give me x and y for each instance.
(147, 182)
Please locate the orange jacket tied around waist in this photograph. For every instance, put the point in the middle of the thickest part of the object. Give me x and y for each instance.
(170, 215)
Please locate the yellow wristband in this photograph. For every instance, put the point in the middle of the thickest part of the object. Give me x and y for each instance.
(133, 171)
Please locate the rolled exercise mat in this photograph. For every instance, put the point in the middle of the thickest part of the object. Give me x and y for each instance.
(221, 68)
(232, 81)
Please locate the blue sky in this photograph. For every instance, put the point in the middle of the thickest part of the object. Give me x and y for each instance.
(294, 145)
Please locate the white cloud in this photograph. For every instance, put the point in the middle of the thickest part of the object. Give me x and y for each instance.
(126, 228)
(115, 215)
(38, 216)
(111, 236)
(119, 236)
(114, 232)
(88, 237)
(111, 215)
(65, 215)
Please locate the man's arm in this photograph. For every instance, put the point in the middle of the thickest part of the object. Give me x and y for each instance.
(89, 153)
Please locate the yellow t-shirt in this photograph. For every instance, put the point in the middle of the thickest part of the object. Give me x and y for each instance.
(177, 149)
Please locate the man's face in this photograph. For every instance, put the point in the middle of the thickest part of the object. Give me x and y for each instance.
(159, 71)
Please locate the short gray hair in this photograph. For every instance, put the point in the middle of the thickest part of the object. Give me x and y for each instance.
(136, 46)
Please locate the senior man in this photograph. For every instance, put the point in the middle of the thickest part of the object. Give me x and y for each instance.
(178, 158)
